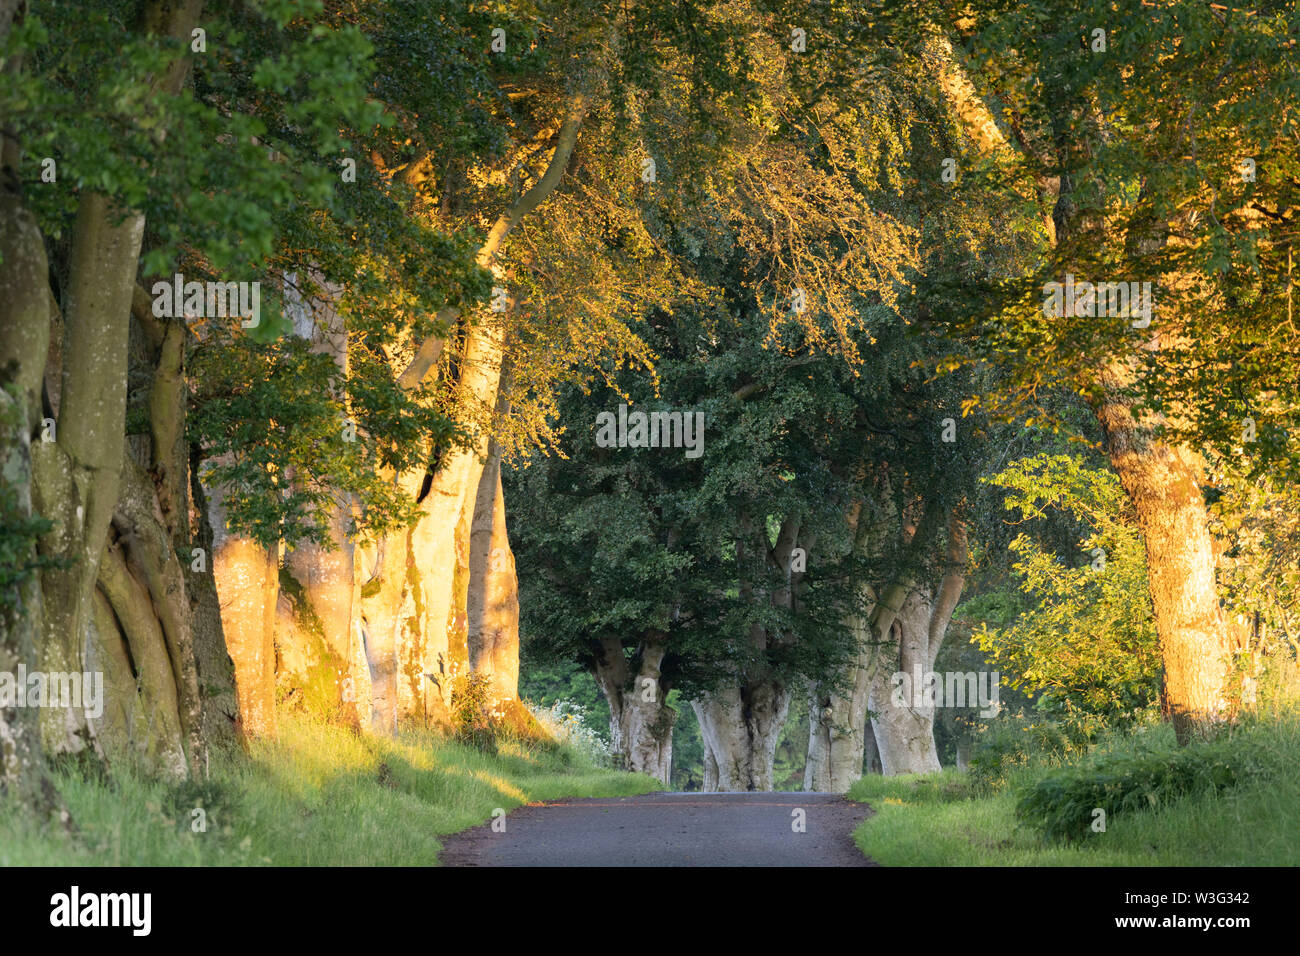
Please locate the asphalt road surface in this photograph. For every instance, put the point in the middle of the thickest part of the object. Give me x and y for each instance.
(671, 829)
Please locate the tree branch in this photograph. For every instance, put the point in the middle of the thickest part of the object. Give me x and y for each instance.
(430, 350)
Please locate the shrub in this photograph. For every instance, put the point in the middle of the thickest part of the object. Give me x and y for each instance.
(472, 712)
(1061, 803)
(483, 721)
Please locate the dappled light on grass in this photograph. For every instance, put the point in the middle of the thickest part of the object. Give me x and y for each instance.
(502, 786)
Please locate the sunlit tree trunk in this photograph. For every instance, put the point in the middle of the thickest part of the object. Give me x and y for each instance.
(384, 575)
(428, 651)
(493, 602)
(315, 632)
(1164, 484)
(438, 546)
(247, 577)
(457, 628)
(1163, 481)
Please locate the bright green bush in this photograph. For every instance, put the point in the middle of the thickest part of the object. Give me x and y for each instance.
(1084, 642)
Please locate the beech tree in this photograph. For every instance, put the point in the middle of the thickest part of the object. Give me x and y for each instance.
(1132, 127)
(82, 466)
(538, 100)
(141, 604)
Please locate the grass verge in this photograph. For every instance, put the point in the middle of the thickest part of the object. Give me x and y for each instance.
(944, 820)
(317, 796)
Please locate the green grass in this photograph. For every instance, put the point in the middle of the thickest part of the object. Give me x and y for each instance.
(317, 796)
(942, 820)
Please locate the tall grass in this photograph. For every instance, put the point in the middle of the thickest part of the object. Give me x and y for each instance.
(318, 795)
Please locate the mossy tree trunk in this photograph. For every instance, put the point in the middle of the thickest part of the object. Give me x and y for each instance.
(314, 635)
(23, 774)
(113, 596)
(78, 474)
(247, 582)
(25, 308)
(427, 600)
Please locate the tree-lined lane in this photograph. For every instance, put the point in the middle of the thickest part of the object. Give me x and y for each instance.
(671, 829)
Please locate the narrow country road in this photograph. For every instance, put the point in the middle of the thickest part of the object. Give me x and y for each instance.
(671, 829)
